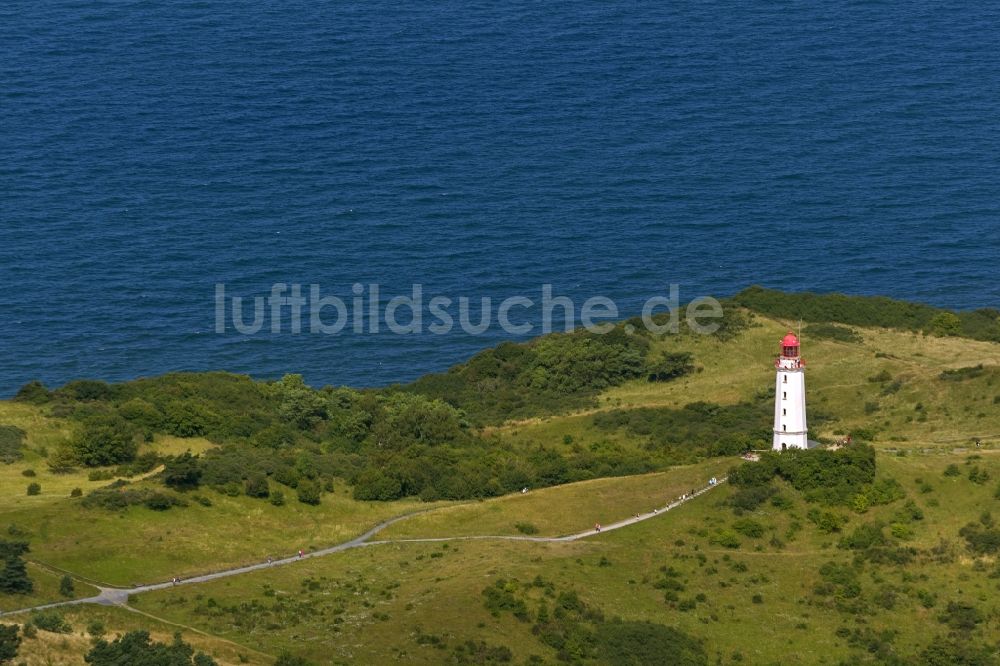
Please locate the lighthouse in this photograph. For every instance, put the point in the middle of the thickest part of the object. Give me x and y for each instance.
(790, 430)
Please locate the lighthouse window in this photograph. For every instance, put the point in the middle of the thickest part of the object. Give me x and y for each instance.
(784, 412)
(784, 378)
(784, 396)
(784, 427)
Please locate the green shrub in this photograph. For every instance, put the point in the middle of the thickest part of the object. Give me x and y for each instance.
(66, 587)
(95, 628)
(308, 492)
(825, 331)
(870, 311)
(34, 489)
(526, 528)
(136, 647)
(103, 440)
(9, 642)
(277, 498)
(256, 486)
(749, 527)
(51, 620)
(12, 441)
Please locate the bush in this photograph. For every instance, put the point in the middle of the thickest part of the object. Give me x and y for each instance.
(308, 492)
(76, 492)
(9, 642)
(277, 498)
(256, 486)
(120, 498)
(50, 620)
(749, 527)
(526, 528)
(66, 587)
(28, 473)
(95, 628)
(182, 472)
(12, 441)
(826, 331)
(647, 644)
(372, 484)
(34, 489)
(103, 440)
(135, 647)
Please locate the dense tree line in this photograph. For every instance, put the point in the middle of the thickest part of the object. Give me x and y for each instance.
(830, 477)
(876, 311)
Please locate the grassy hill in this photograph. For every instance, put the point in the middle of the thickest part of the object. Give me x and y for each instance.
(760, 572)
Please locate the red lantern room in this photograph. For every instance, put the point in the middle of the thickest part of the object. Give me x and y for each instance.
(790, 346)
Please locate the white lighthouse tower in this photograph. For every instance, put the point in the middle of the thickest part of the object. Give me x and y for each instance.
(790, 431)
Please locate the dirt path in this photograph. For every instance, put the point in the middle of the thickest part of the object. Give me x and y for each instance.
(118, 596)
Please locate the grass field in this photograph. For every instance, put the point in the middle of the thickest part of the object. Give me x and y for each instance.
(370, 606)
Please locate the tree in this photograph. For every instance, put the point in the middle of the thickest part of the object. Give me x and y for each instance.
(9, 642)
(34, 489)
(182, 472)
(256, 486)
(66, 587)
(372, 484)
(670, 366)
(135, 647)
(308, 492)
(946, 323)
(103, 440)
(14, 574)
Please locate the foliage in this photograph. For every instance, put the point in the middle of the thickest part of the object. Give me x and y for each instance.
(646, 643)
(308, 492)
(982, 538)
(579, 633)
(826, 331)
(103, 440)
(52, 621)
(953, 651)
(829, 477)
(120, 498)
(66, 587)
(962, 374)
(136, 648)
(526, 528)
(11, 444)
(670, 366)
(548, 374)
(182, 472)
(256, 486)
(698, 428)
(872, 311)
(10, 641)
(14, 575)
(34, 489)
(288, 659)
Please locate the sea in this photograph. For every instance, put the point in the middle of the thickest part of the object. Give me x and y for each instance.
(153, 151)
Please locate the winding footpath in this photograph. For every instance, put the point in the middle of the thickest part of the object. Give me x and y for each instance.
(118, 596)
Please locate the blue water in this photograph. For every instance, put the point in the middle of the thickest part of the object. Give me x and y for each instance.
(149, 150)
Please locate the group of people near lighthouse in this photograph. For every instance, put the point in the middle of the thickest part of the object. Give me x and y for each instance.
(680, 498)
